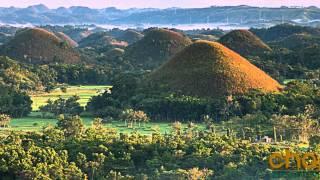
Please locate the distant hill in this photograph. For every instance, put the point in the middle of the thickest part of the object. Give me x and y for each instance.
(39, 46)
(245, 15)
(301, 50)
(131, 36)
(244, 42)
(283, 30)
(209, 69)
(157, 46)
(66, 39)
(101, 39)
(74, 32)
(297, 41)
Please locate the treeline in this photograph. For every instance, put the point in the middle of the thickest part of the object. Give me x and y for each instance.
(69, 151)
(129, 92)
(27, 77)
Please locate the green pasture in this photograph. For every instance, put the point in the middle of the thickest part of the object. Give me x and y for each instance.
(36, 123)
(84, 92)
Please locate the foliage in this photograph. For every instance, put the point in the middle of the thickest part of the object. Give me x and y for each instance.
(72, 126)
(4, 120)
(14, 103)
(16, 76)
(132, 117)
(300, 127)
(99, 153)
(63, 106)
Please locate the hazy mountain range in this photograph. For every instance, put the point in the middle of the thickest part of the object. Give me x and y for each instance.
(40, 14)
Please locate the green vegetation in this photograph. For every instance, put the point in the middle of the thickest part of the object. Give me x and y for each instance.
(16, 76)
(70, 151)
(35, 123)
(282, 31)
(13, 102)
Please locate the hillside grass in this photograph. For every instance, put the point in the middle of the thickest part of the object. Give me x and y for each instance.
(84, 92)
(209, 69)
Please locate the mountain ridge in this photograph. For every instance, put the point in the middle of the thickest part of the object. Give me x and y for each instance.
(40, 14)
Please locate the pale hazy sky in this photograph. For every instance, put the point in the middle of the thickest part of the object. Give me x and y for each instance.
(157, 3)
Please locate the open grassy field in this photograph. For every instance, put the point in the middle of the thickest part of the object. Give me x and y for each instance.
(34, 123)
(84, 92)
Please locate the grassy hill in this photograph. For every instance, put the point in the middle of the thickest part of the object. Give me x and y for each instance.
(244, 42)
(131, 36)
(210, 69)
(101, 39)
(155, 48)
(39, 46)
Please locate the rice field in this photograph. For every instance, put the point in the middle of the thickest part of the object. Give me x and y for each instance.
(84, 92)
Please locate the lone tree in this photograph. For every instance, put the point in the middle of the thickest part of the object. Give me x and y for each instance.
(72, 126)
(4, 120)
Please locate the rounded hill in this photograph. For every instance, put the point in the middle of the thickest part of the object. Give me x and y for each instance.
(131, 36)
(209, 69)
(101, 39)
(157, 46)
(244, 42)
(39, 46)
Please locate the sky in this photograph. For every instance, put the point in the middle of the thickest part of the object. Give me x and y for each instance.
(124, 4)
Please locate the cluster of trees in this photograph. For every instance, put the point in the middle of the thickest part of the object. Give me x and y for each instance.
(69, 106)
(303, 127)
(131, 117)
(13, 102)
(70, 151)
(82, 74)
(17, 77)
(28, 77)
